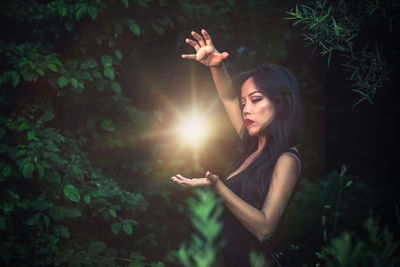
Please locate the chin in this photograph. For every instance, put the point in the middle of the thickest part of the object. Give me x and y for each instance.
(253, 132)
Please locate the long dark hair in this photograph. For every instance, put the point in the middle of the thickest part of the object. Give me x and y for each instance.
(281, 87)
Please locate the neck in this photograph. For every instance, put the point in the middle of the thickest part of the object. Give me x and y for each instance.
(261, 143)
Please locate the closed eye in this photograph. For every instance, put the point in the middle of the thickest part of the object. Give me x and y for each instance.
(255, 100)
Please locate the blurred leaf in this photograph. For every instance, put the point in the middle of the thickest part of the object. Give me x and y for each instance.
(112, 213)
(127, 228)
(80, 12)
(108, 125)
(118, 54)
(116, 227)
(92, 12)
(72, 193)
(116, 87)
(28, 169)
(62, 81)
(52, 67)
(87, 199)
(134, 27)
(125, 2)
(106, 60)
(109, 72)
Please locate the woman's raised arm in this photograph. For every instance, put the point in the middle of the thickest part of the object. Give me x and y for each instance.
(210, 57)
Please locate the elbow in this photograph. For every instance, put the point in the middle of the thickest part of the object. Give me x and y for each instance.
(265, 234)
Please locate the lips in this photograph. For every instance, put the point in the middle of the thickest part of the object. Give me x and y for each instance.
(248, 122)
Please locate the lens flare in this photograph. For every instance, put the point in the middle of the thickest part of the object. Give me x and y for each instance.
(193, 129)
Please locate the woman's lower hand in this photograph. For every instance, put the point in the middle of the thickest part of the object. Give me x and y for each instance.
(210, 180)
(205, 50)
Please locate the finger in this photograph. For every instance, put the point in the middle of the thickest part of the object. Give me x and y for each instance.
(199, 38)
(184, 179)
(211, 176)
(193, 43)
(224, 55)
(192, 56)
(206, 37)
(173, 178)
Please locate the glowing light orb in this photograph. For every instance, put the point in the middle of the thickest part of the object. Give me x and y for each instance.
(193, 129)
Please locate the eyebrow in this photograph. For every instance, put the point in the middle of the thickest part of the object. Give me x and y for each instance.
(252, 93)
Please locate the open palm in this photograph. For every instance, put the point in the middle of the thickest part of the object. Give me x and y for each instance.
(205, 50)
(209, 180)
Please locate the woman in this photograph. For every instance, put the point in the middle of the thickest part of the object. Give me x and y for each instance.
(264, 176)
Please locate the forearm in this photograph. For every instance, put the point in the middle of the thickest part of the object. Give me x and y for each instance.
(223, 83)
(251, 218)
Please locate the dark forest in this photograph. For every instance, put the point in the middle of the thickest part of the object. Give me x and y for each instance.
(92, 94)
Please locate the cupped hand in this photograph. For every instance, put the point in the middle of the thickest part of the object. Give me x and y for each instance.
(205, 50)
(210, 180)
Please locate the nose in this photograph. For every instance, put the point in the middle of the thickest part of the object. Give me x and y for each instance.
(246, 109)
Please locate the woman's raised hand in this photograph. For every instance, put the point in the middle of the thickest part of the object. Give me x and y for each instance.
(209, 180)
(205, 50)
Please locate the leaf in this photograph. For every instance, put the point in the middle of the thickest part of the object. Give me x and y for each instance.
(53, 177)
(40, 71)
(62, 81)
(116, 87)
(62, 231)
(31, 136)
(80, 12)
(106, 60)
(74, 82)
(127, 228)
(89, 64)
(40, 170)
(112, 213)
(48, 116)
(134, 27)
(92, 12)
(108, 125)
(33, 220)
(71, 212)
(126, 3)
(15, 78)
(109, 72)
(27, 170)
(72, 193)
(96, 247)
(116, 227)
(53, 67)
(62, 10)
(5, 170)
(87, 199)
(118, 54)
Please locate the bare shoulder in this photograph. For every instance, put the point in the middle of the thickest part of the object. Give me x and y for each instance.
(288, 162)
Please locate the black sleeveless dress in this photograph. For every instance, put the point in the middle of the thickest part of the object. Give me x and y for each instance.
(238, 240)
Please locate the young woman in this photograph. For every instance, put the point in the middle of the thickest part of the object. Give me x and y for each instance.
(268, 119)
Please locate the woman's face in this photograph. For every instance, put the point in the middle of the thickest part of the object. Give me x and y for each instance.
(258, 110)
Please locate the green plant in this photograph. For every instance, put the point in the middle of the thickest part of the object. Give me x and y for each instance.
(332, 26)
(377, 248)
(202, 250)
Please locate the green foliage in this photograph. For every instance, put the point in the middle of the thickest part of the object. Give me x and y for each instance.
(257, 260)
(77, 174)
(205, 210)
(332, 26)
(332, 207)
(377, 247)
